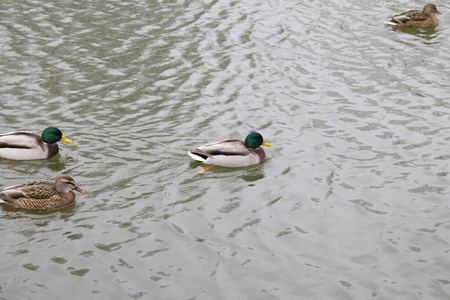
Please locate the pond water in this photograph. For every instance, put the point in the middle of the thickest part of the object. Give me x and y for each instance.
(351, 202)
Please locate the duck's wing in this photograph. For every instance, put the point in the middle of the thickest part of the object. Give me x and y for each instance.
(35, 189)
(20, 139)
(10, 196)
(420, 16)
(404, 17)
(225, 147)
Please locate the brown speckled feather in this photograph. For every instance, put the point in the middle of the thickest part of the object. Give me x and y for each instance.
(41, 195)
(416, 18)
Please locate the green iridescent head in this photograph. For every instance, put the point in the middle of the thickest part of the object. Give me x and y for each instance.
(52, 135)
(254, 140)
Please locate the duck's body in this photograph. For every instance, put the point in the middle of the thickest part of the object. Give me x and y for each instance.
(41, 194)
(416, 18)
(24, 145)
(232, 152)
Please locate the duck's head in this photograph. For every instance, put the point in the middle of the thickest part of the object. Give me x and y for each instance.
(430, 9)
(65, 184)
(254, 140)
(52, 135)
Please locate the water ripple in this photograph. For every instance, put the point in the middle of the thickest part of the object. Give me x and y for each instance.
(352, 192)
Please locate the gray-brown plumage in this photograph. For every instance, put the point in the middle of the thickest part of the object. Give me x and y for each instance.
(41, 194)
(416, 18)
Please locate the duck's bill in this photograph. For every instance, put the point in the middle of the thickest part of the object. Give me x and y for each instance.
(266, 144)
(80, 190)
(64, 139)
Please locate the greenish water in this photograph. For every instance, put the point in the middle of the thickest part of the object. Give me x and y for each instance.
(351, 203)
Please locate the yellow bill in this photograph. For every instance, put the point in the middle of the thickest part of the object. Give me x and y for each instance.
(64, 139)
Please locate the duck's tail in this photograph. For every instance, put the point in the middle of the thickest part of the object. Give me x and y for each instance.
(197, 156)
(390, 22)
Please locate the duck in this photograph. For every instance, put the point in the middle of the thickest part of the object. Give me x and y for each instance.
(416, 18)
(231, 152)
(24, 145)
(41, 194)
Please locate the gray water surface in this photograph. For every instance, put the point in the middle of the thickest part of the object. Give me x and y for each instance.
(351, 203)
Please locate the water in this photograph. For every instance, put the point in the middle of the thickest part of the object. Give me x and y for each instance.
(350, 204)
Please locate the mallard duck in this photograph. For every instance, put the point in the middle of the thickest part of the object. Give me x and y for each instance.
(24, 145)
(41, 194)
(232, 152)
(416, 18)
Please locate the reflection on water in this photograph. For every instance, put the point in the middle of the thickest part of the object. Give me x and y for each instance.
(427, 33)
(349, 204)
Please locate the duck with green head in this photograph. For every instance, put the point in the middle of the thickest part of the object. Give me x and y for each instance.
(232, 152)
(24, 145)
(41, 194)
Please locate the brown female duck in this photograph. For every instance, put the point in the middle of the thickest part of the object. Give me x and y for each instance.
(41, 194)
(416, 18)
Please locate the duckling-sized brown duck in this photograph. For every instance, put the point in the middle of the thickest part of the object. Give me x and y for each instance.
(41, 194)
(416, 18)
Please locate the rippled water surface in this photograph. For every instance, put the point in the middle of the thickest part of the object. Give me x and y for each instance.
(351, 203)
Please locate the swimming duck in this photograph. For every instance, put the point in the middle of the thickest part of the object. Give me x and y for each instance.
(41, 194)
(231, 152)
(24, 145)
(416, 18)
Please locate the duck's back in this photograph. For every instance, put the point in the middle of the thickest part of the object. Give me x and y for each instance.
(226, 147)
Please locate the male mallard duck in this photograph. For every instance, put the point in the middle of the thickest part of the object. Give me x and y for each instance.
(41, 194)
(232, 153)
(416, 18)
(23, 145)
